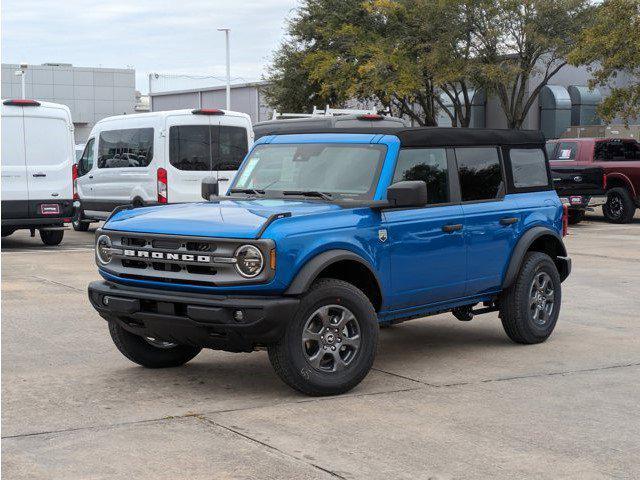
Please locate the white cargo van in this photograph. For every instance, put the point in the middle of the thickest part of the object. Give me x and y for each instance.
(37, 166)
(158, 157)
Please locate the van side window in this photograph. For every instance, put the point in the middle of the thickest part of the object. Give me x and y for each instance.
(86, 160)
(528, 167)
(480, 173)
(132, 147)
(428, 165)
(232, 147)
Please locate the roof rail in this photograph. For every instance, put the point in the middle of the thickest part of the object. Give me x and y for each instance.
(327, 112)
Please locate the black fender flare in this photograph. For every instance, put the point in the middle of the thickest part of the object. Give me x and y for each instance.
(523, 245)
(308, 273)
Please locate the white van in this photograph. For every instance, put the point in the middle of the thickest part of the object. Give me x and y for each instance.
(158, 157)
(37, 166)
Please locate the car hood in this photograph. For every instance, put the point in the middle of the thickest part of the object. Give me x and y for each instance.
(225, 218)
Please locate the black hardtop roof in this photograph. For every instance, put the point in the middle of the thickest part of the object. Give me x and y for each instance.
(438, 136)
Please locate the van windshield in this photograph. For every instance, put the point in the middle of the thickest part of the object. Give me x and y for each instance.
(333, 169)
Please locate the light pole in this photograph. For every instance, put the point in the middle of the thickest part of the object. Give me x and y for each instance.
(226, 37)
(21, 72)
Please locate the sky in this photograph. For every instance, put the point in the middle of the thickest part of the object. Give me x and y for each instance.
(169, 37)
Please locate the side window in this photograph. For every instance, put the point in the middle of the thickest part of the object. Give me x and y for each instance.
(125, 148)
(480, 173)
(190, 147)
(232, 147)
(528, 167)
(632, 151)
(428, 165)
(565, 151)
(86, 160)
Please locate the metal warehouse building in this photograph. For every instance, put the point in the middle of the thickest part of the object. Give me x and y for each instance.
(90, 93)
(245, 97)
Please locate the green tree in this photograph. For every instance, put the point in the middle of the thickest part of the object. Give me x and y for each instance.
(611, 46)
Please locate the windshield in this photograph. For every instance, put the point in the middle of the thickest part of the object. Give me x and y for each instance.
(345, 170)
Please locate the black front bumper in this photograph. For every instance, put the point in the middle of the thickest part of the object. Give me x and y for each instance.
(201, 320)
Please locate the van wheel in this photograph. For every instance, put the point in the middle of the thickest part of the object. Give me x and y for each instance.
(150, 352)
(529, 308)
(330, 344)
(619, 207)
(77, 223)
(51, 237)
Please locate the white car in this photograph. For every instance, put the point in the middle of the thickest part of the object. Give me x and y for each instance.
(37, 168)
(158, 157)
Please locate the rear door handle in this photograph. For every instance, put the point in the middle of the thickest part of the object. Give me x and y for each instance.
(508, 221)
(39, 174)
(452, 228)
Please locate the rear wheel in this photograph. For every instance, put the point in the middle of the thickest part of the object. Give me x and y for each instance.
(329, 345)
(150, 352)
(529, 308)
(620, 207)
(51, 237)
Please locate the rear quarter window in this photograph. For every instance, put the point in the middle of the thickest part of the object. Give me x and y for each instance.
(528, 168)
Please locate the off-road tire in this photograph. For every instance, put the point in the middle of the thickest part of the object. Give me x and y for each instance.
(77, 223)
(575, 216)
(287, 355)
(515, 310)
(139, 351)
(51, 237)
(620, 207)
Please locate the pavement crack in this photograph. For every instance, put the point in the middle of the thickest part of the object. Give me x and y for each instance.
(43, 279)
(271, 447)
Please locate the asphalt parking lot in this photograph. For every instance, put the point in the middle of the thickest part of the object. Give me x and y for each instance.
(446, 399)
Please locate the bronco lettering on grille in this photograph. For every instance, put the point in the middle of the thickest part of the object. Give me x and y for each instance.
(184, 257)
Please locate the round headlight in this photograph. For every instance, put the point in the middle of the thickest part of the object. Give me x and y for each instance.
(103, 249)
(249, 261)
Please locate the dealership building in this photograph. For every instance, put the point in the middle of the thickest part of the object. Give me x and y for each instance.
(90, 93)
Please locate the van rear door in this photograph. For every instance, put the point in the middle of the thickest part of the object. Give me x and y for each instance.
(49, 152)
(232, 139)
(189, 151)
(15, 195)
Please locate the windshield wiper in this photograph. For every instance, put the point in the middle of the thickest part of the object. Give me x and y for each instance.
(308, 193)
(247, 190)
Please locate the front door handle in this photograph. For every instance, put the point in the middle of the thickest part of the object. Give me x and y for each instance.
(223, 179)
(452, 228)
(508, 221)
(39, 174)
(90, 176)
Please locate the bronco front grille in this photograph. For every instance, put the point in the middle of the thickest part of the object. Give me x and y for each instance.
(175, 259)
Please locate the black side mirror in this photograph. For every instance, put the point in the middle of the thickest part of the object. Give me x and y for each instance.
(209, 188)
(407, 194)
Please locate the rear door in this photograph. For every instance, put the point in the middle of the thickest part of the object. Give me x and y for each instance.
(49, 153)
(492, 219)
(15, 194)
(189, 151)
(231, 139)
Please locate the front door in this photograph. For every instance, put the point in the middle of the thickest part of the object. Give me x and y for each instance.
(428, 259)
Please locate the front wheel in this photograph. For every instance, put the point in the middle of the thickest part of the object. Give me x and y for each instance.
(51, 237)
(529, 308)
(619, 207)
(77, 223)
(150, 352)
(330, 344)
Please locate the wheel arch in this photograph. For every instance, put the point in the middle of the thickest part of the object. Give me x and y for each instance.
(617, 179)
(341, 265)
(538, 239)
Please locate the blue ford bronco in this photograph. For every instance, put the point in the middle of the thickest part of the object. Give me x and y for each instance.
(325, 236)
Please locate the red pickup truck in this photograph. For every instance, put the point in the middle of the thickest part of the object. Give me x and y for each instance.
(620, 160)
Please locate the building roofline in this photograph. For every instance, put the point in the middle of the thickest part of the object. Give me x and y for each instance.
(210, 89)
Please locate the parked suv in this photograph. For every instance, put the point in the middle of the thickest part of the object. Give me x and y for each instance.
(620, 160)
(323, 237)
